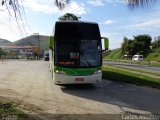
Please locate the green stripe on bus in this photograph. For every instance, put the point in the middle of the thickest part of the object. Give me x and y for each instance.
(77, 71)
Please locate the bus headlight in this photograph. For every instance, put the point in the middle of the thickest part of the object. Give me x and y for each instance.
(97, 72)
(60, 72)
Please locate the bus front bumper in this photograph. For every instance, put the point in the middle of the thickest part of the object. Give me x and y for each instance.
(65, 79)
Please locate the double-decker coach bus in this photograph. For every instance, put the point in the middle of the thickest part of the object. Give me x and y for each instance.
(76, 52)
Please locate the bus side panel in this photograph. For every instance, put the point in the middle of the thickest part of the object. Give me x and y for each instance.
(51, 62)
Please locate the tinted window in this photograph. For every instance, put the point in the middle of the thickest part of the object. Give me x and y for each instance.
(75, 30)
(83, 54)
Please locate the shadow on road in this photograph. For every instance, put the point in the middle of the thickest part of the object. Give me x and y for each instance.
(81, 87)
(123, 95)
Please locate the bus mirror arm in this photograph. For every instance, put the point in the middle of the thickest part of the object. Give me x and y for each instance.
(102, 37)
(103, 51)
(51, 48)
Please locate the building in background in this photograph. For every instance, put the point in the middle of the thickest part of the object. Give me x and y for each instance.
(20, 52)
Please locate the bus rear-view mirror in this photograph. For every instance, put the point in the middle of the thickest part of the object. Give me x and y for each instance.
(51, 39)
(105, 43)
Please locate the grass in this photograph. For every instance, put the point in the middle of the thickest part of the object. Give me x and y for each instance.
(115, 54)
(141, 71)
(129, 77)
(156, 65)
(149, 63)
(152, 55)
(8, 111)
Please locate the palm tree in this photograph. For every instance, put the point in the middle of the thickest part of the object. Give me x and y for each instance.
(18, 10)
(140, 3)
(16, 6)
(131, 3)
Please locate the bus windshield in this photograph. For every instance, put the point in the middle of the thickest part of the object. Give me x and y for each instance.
(87, 53)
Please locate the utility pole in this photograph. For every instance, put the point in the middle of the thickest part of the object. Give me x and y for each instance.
(37, 36)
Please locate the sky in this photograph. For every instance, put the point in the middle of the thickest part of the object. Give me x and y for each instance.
(115, 19)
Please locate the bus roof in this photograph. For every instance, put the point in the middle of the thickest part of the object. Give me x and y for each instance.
(69, 21)
(76, 30)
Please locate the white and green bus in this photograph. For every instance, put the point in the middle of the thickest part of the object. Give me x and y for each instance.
(76, 52)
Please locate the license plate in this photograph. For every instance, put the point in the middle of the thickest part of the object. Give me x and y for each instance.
(79, 79)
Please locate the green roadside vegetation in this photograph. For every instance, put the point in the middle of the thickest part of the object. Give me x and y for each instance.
(9, 111)
(116, 54)
(148, 63)
(140, 71)
(151, 58)
(138, 45)
(119, 75)
(153, 55)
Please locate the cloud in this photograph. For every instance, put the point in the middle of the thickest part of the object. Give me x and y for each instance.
(46, 7)
(116, 1)
(10, 28)
(107, 22)
(5, 25)
(147, 23)
(3, 18)
(96, 2)
(110, 34)
(103, 2)
(49, 7)
(75, 8)
(12, 31)
(8, 32)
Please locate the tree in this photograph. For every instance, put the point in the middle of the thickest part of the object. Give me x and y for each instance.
(156, 42)
(138, 45)
(124, 46)
(131, 3)
(2, 52)
(144, 41)
(127, 47)
(17, 5)
(134, 47)
(68, 16)
(140, 3)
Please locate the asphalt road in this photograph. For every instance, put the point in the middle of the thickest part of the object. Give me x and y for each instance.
(134, 66)
(30, 83)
